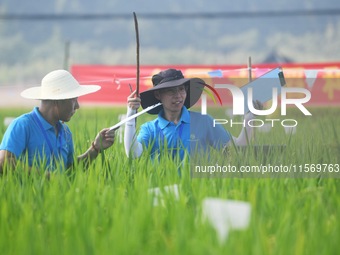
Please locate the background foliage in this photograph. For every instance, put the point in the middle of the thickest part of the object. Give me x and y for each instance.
(31, 48)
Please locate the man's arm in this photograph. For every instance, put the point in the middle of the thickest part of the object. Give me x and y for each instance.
(247, 132)
(132, 146)
(7, 160)
(103, 140)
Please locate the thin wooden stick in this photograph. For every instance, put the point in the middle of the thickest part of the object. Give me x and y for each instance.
(137, 52)
(249, 70)
(250, 78)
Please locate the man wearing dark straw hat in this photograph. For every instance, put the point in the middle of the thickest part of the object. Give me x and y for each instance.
(176, 127)
(41, 136)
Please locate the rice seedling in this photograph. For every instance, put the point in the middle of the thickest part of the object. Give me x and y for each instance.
(107, 208)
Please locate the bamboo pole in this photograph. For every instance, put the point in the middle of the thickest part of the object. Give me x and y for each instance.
(137, 52)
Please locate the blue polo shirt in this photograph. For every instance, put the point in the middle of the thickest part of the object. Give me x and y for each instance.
(31, 136)
(193, 132)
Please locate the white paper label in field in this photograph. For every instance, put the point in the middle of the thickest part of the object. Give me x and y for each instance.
(225, 215)
(159, 194)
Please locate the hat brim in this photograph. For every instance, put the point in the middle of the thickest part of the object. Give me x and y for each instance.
(38, 94)
(195, 89)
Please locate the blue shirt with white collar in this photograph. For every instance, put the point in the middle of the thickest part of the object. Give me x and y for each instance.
(194, 131)
(32, 136)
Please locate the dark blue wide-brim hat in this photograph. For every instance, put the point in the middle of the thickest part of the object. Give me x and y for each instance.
(168, 79)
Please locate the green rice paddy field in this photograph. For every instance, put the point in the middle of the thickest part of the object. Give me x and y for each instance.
(107, 209)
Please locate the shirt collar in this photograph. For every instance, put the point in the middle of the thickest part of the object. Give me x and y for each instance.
(185, 118)
(185, 115)
(43, 122)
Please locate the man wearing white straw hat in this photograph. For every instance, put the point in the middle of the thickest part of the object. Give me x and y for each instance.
(41, 136)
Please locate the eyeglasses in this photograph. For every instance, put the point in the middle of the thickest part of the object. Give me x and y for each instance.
(173, 91)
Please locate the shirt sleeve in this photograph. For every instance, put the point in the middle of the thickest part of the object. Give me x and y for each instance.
(15, 137)
(218, 137)
(132, 147)
(145, 135)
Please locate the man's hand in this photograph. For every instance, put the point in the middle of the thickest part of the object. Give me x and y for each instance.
(133, 101)
(104, 139)
(258, 105)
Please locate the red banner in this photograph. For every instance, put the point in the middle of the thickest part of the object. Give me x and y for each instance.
(322, 79)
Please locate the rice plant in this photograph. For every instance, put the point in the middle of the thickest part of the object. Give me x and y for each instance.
(107, 208)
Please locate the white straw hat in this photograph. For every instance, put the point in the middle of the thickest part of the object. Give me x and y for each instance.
(58, 85)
